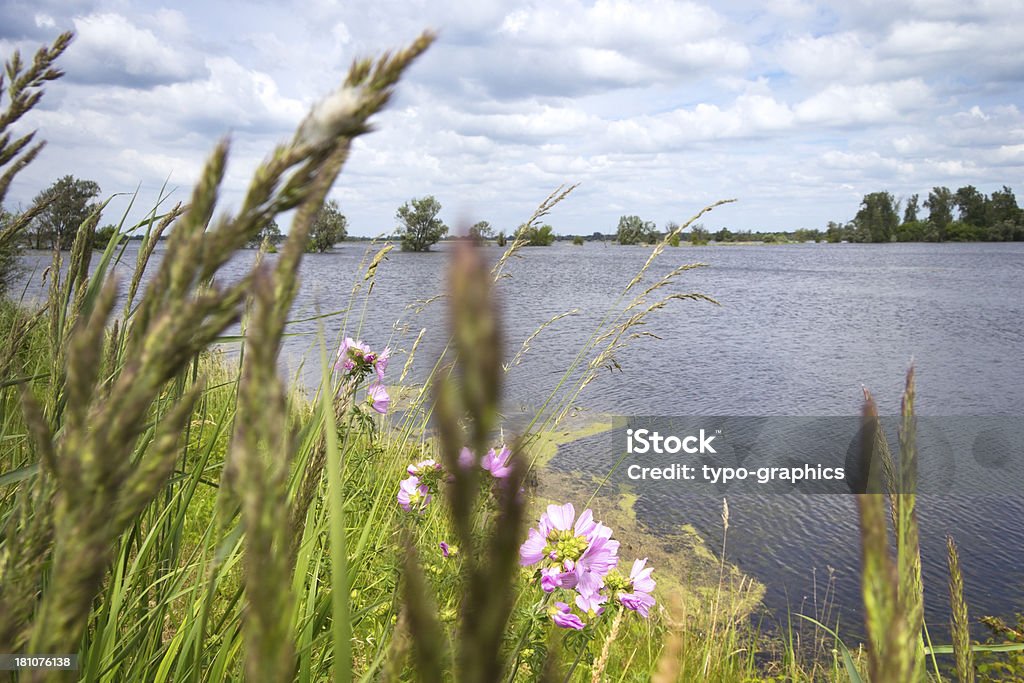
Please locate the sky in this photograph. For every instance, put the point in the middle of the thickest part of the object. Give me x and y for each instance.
(655, 107)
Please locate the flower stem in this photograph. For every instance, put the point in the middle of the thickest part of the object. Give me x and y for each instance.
(527, 632)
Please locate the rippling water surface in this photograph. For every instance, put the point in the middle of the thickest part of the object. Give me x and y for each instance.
(800, 330)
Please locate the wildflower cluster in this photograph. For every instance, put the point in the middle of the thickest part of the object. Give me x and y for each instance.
(416, 491)
(356, 361)
(579, 557)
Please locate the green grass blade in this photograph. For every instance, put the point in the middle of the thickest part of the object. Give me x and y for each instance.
(341, 628)
(851, 668)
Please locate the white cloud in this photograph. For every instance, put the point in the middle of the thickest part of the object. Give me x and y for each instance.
(627, 43)
(840, 105)
(111, 49)
(540, 122)
(834, 57)
(1010, 154)
(869, 161)
(748, 116)
(657, 106)
(230, 97)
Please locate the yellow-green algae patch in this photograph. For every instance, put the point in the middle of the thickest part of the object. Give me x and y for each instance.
(693, 584)
(541, 447)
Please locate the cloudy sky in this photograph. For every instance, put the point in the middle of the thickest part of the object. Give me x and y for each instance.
(656, 107)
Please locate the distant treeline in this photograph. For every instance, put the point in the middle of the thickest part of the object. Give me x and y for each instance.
(966, 215)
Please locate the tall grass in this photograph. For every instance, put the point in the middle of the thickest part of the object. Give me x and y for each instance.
(167, 515)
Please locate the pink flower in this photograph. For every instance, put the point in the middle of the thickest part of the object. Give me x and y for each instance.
(356, 359)
(553, 577)
(563, 617)
(632, 592)
(351, 354)
(532, 550)
(413, 494)
(466, 458)
(445, 549)
(549, 579)
(584, 549)
(378, 398)
(641, 585)
(591, 604)
(497, 463)
(598, 559)
(381, 363)
(423, 466)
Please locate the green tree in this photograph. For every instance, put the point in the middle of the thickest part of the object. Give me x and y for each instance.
(877, 219)
(271, 232)
(806, 235)
(536, 235)
(1005, 218)
(940, 209)
(420, 228)
(329, 228)
(834, 232)
(10, 250)
(961, 231)
(914, 231)
(1002, 206)
(500, 239)
(911, 209)
(699, 235)
(633, 230)
(577, 240)
(101, 238)
(971, 204)
(481, 230)
(69, 204)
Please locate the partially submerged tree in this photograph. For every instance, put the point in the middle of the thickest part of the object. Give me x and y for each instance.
(420, 227)
(536, 235)
(699, 234)
(329, 228)
(69, 202)
(633, 230)
(481, 230)
(270, 233)
(10, 251)
(101, 238)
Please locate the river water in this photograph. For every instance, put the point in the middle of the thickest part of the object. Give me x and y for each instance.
(800, 331)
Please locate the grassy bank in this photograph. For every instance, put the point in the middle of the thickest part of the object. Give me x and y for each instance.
(172, 604)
